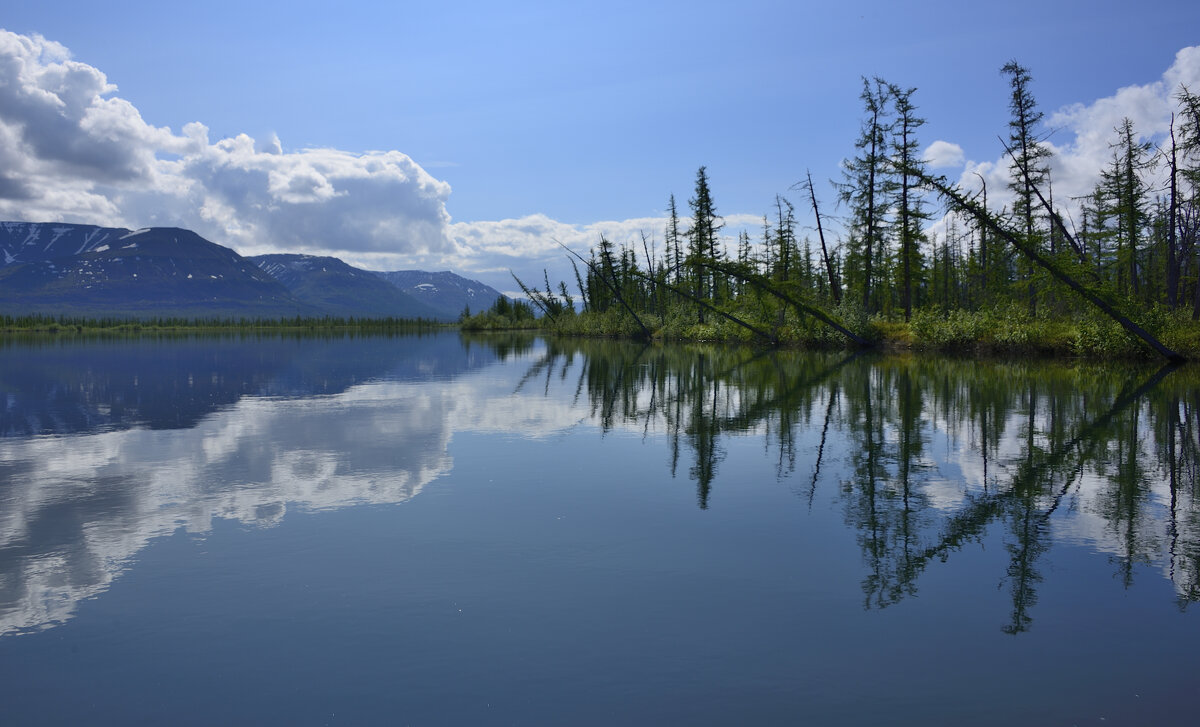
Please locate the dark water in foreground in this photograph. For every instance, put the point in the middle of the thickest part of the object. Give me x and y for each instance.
(433, 530)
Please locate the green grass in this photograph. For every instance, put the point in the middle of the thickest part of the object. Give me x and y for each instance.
(1005, 330)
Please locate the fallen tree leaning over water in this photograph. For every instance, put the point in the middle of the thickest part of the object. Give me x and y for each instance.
(761, 283)
(767, 336)
(985, 218)
(599, 273)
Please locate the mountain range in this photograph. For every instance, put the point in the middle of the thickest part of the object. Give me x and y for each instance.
(85, 270)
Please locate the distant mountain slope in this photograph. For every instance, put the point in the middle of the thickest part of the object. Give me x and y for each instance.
(26, 242)
(445, 291)
(67, 269)
(342, 290)
(57, 268)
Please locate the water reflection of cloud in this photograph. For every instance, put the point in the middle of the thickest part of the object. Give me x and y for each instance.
(81, 506)
(110, 493)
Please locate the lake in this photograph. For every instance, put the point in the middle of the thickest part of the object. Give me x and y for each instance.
(445, 529)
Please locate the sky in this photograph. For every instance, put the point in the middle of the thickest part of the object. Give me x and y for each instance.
(476, 136)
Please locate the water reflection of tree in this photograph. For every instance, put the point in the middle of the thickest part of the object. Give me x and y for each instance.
(1032, 441)
(695, 395)
(1047, 471)
(883, 410)
(1177, 440)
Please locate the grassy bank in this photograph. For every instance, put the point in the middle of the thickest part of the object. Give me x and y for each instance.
(997, 331)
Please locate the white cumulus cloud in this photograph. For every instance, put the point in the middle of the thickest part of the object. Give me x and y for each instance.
(72, 150)
(536, 242)
(944, 154)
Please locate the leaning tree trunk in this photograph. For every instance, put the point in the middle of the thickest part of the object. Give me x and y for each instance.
(835, 288)
(1030, 251)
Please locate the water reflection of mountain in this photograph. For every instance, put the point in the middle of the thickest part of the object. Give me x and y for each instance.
(54, 387)
(157, 436)
(930, 456)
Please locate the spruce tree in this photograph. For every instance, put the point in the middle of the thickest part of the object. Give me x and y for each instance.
(784, 237)
(1187, 192)
(864, 189)
(909, 207)
(674, 253)
(702, 237)
(1028, 167)
(1132, 158)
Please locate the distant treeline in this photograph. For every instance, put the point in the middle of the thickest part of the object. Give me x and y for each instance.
(1028, 275)
(81, 324)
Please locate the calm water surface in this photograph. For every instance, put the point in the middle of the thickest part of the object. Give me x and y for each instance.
(443, 530)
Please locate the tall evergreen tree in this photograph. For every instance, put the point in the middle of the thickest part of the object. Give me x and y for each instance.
(1028, 168)
(1187, 205)
(909, 206)
(768, 256)
(674, 251)
(784, 238)
(702, 237)
(1130, 192)
(745, 254)
(864, 189)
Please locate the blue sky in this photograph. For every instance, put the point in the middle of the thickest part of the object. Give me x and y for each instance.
(519, 122)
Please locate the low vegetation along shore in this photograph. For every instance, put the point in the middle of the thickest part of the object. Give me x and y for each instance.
(1000, 331)
(993, 331)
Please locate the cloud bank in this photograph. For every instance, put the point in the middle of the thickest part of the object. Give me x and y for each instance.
(73, 151)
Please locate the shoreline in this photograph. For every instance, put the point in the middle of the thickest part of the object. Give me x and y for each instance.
(1065, 339)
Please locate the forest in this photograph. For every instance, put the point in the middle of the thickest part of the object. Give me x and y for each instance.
(1120, 277)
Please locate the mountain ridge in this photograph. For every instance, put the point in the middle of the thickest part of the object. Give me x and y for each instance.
(445, 290)
(58, 268)
(340, 289)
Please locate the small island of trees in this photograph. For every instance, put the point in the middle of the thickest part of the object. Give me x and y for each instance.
(1123, 280)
